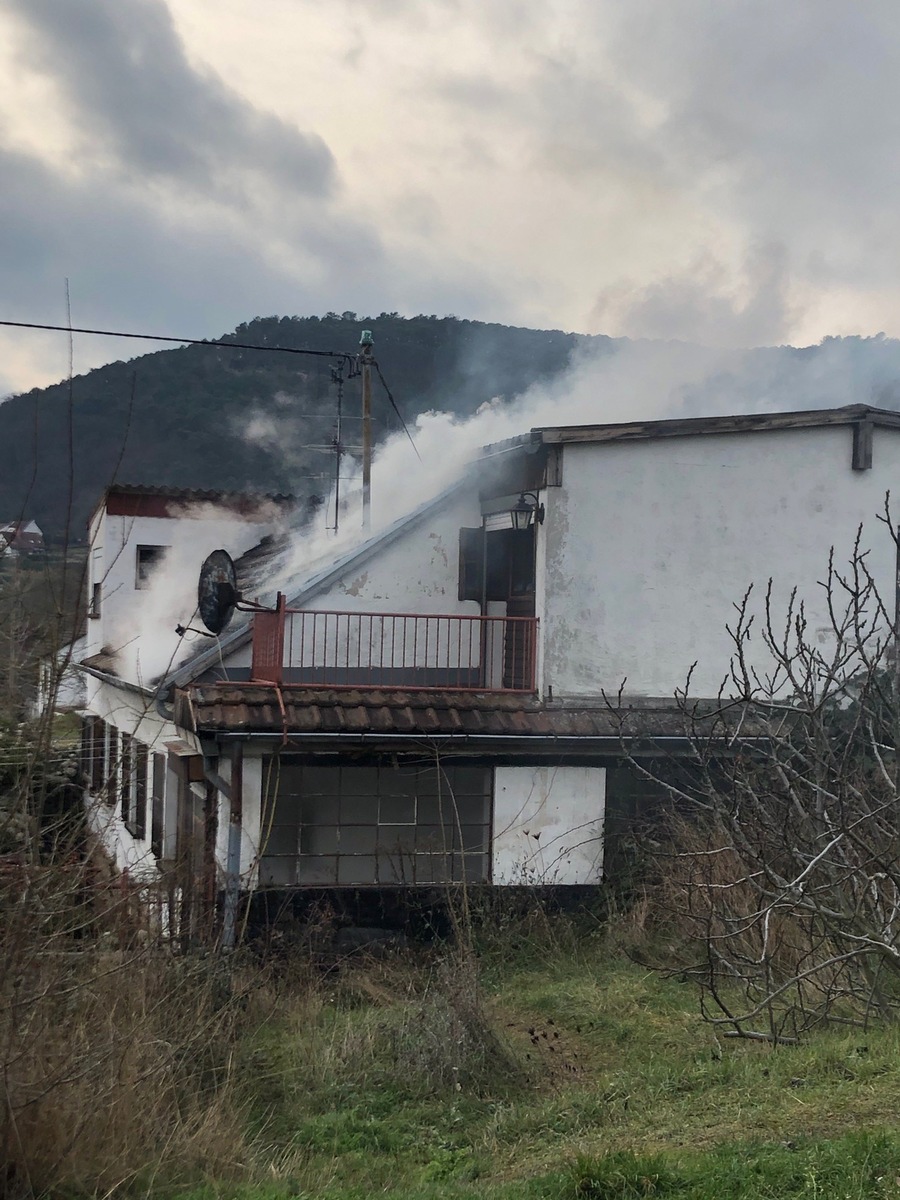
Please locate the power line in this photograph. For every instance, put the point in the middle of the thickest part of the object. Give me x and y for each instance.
(156, 337)
(340, 355)
(396, 409)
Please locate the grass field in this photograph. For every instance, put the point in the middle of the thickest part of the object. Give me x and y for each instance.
(556, 1069)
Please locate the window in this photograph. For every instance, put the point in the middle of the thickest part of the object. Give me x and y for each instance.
(147, 559)
(126, 777)
(387, 823)
(133, 785)
(93, 752)
(157, 805)
(95, 602)
(111, 760)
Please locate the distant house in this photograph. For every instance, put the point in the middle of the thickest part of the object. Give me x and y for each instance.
(431, 707)
(21, 538)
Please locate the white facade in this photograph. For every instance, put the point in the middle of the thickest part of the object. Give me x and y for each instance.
(142, 580)
(548, 825)
(648, 546)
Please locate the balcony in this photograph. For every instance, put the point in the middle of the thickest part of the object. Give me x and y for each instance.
(294, 648)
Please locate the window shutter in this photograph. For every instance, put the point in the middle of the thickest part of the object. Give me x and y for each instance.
(157, 805)
(87, 749)
(98, 756)
(126, 778)
(112, 764)
(140, 790)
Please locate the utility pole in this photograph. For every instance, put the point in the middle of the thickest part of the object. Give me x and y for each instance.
(366, 343)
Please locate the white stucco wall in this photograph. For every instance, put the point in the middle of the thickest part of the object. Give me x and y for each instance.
(417, 573)
(548, 825)
(135, 715)
(252, 831)
(648, 545)
(139, 623)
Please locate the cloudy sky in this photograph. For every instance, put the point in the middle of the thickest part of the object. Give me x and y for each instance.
(720, 171)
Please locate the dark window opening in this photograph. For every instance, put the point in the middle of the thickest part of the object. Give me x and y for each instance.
(95, 601)
(496, 564)
(94, 751)
(139, 811)
(382, 824)
(126, 777)
(148, 558)
(133, 785)
(157, 829)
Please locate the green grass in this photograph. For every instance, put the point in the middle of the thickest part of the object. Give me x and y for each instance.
(589, 1078)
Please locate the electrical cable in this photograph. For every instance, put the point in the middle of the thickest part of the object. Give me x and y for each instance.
(156, 337)
(395, 408)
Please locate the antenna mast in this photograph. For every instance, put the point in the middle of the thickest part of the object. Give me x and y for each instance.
(337, 376)
(366, 343)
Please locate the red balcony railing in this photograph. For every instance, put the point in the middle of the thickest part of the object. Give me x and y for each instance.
(401, 650)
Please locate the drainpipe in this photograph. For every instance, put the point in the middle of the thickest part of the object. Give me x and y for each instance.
(233, 854)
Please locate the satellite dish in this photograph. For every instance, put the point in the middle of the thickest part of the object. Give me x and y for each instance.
(217, 593)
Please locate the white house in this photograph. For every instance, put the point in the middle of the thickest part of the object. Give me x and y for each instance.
(20, 537)
(432, 707)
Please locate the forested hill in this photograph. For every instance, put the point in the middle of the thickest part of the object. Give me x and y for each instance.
(181, 417)
(211, 417)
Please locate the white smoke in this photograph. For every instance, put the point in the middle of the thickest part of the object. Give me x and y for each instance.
(140, 626)
(639, 381)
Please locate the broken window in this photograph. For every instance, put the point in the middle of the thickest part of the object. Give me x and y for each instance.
(387, 823)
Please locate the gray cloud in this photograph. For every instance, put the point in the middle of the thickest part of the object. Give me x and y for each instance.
(785, 116)
(701, 306)
(125, 72)
(132, 266)
(724, 173)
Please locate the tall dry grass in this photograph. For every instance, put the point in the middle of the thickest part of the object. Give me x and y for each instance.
(115, 1053)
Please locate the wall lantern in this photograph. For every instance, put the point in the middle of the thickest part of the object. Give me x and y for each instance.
(524, 509)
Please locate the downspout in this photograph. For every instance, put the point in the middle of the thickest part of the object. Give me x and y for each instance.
(233, 854)
(165, 709)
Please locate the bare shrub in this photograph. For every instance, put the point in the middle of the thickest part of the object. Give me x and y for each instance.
(779, 888)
